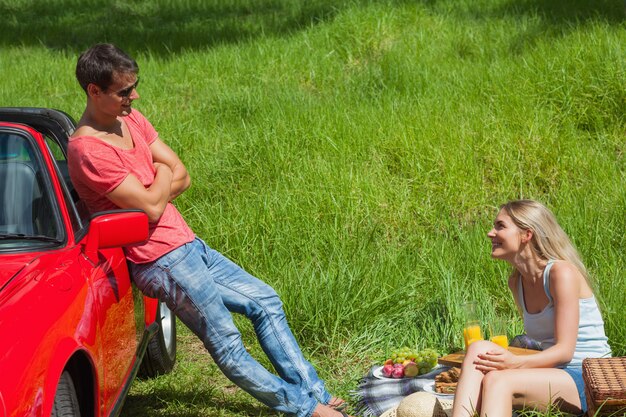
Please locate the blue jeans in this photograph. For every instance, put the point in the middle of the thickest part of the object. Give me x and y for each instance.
(576, 372)
(202, 287)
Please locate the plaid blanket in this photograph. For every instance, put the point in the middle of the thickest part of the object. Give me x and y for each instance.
(374, 396)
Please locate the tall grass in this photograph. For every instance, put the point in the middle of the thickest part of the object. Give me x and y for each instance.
(353, 154)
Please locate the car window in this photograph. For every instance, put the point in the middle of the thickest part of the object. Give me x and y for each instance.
(27, 215)
(79, 215)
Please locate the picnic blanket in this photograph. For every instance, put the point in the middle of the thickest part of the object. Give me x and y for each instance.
(374, 396)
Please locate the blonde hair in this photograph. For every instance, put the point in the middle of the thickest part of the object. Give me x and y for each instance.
(549, 241)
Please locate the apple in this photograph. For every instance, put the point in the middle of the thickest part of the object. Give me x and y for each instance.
(388, 371)
(398, 372)
(411, 370)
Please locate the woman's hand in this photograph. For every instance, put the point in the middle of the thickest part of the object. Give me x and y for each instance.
(496, 359)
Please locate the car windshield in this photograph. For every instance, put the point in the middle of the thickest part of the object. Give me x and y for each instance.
(26, 216)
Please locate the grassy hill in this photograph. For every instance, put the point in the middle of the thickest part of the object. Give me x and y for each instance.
(353, 154)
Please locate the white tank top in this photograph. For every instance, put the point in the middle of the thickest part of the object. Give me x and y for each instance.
(591, 341)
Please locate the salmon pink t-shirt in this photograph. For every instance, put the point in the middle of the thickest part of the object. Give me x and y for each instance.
(97, 168)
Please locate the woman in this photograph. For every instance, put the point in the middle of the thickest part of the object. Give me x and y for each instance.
(551, 289)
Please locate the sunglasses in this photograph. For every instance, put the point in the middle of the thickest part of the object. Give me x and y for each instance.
(126, 92)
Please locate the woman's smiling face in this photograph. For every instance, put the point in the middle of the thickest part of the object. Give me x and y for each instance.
(505, 236)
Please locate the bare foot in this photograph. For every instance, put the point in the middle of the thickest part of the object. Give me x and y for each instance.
(325, 411)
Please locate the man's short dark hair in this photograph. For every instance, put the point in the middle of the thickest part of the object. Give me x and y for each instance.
(98, 64)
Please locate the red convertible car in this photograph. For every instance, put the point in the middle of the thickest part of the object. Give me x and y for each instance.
(74, 331)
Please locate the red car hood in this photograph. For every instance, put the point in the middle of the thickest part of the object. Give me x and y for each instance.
(11, 265)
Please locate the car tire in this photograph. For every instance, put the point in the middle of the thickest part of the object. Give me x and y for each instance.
(66, 400)
(161, 352)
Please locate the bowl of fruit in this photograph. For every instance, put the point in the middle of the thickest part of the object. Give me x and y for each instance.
(407, 363)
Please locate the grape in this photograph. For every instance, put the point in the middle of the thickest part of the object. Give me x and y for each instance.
(428, 360)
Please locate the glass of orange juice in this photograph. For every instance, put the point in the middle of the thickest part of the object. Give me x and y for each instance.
(471, 331)
(497, 333)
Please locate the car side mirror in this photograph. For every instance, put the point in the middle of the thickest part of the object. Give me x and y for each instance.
(110, 229)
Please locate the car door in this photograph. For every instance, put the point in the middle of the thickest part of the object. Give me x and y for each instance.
(111, 297)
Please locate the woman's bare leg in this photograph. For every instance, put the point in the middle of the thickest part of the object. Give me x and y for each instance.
(528, 388)
(467, 397)
(495, 393)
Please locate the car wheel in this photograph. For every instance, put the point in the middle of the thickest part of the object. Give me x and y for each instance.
(65, 400)
(161, 352)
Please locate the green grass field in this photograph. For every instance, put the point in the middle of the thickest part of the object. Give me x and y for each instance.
(353, 155)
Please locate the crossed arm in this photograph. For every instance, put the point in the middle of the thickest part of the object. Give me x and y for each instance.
(171, 180)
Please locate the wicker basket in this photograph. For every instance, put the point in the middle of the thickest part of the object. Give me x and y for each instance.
(605, 386)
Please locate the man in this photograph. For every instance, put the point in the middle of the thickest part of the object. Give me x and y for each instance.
(117, 160)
